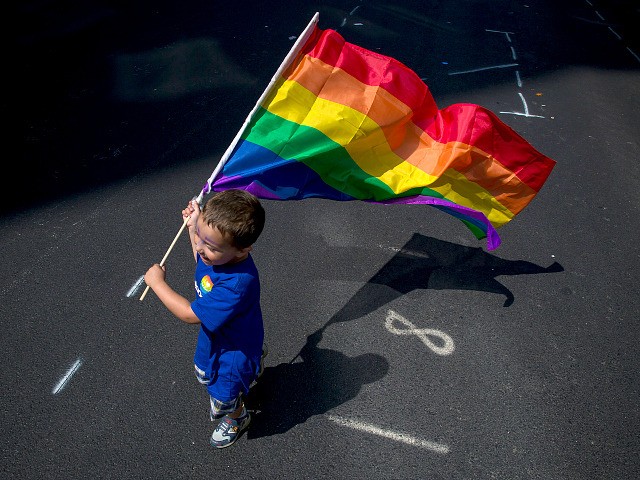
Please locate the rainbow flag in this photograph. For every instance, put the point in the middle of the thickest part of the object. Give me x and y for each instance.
(344, 123)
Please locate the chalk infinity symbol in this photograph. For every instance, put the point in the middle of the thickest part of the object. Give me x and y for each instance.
(421, 333)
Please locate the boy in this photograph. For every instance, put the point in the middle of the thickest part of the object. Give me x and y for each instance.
(228, 351)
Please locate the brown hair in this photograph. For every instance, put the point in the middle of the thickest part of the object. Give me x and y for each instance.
(237, 214)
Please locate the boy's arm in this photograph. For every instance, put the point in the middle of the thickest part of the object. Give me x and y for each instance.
(175, 303)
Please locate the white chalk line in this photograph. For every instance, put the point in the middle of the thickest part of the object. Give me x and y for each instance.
(524, 104)
(484, 68)
(526, 109)
(344, 20)
(392, 435)
(518, 79)
(634, 54)
(500, 31)
(520, 114)
(405, 251)
(67, 376)
(423, 334)
(136, 286)
(617, 35)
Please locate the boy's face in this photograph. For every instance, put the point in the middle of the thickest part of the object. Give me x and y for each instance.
(214, 248)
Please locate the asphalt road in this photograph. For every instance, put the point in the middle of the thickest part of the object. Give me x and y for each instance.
(400, 348)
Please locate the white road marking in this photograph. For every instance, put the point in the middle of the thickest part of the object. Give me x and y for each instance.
(615, 33)
(405, 251)
(618, 36)
(422, 333)
(484, 68)
(634, 54)
(136, 286)
(397, 436)
(500, 31)
(526, 109)
(66, 377)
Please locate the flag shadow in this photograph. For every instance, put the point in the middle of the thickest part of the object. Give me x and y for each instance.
(428, 263)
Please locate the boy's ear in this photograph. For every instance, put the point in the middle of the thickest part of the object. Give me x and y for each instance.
(245, 250)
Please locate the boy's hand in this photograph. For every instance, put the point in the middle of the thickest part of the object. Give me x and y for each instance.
(155, 275)
(192, 211)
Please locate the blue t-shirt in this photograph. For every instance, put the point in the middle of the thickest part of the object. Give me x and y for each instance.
(231, 331)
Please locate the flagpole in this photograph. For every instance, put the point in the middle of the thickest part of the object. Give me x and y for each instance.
(300, 41)
(164, 259)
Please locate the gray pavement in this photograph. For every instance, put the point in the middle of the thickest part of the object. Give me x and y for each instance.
(399, 347)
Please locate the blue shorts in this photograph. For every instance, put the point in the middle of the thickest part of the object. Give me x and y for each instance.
(218, 408)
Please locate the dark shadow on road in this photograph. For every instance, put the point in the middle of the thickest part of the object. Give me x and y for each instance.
(105, 90)
(318, 379)
(428, 263)
(290, 393)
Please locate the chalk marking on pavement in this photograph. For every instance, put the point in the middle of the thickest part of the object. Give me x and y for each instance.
(66, 377)
(618, 36)
(524, 104)
(615, 33)
(405, 251)
(518, 81)
(522, 114)
(500, 31)
(526, 109)
(485, 68)
(397, 436)
(136, 286)
(634, 54)
(422, 333)
(344, 20)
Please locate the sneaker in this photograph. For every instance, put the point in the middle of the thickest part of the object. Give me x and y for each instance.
(228, 430)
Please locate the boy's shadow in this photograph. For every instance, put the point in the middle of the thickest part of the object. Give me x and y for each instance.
(290, 393)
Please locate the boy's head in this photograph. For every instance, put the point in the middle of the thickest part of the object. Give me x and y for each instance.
(230, 222)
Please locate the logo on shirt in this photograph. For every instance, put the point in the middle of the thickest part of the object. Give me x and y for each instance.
(206, 284)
